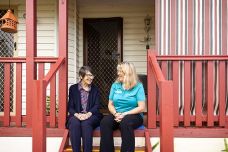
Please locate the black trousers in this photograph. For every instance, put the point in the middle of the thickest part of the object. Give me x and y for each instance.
(126, 126)
(84, 129)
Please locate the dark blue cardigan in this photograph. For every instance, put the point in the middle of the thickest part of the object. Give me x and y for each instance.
(74, 103)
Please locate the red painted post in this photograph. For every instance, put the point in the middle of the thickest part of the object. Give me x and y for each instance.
(63, 52)
(39, 117)
(166, 116)
(148, 145)
(31, 52)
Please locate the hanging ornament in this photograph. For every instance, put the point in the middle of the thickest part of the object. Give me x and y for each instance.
(8, 23)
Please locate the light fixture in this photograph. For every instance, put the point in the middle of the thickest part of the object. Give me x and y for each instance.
(147, 28)
(8, 23)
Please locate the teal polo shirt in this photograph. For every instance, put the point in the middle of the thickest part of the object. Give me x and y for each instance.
(126, 100)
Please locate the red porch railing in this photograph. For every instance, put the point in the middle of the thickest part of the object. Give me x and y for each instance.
(155, 79)
(15, 118)
(200, 87)
(39, 106)
(200, 90)
(199, 101)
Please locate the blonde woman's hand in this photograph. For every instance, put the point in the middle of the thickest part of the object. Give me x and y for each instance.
(118, 117)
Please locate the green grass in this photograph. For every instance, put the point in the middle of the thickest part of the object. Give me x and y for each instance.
(226, 145)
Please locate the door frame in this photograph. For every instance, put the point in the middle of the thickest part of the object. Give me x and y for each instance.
(120, 35)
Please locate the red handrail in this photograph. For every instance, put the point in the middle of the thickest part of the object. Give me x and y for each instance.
(155, 67)
(54, 69)
(192, 58)
(155, 76)
(39, 108)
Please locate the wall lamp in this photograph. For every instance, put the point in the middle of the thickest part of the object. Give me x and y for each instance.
(147, 28)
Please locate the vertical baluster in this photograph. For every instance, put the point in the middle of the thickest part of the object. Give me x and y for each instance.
(222, 93)
(187, 92)
(6, 94)
(176, 91)
(210, 93)
(53, 100)
(198, 93)
(19, 94)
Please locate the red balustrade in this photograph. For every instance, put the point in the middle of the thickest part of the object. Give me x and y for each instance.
(187, 96)
(200, 89)
(199, 86)
(162, 103)
(13, 118)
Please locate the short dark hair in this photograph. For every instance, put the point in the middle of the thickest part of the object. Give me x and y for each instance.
(83, 70)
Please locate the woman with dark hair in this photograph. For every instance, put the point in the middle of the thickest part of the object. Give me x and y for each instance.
(126, 104)
(83, 108)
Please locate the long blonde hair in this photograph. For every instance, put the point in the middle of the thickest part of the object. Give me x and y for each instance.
(130, 76)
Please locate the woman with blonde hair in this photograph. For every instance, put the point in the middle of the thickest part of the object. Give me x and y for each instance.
(126, 104)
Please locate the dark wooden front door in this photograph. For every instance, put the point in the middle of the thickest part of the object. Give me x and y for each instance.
(103, 51)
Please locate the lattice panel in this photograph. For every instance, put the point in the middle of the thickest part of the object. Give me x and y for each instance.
(102, 43)
(6, 50)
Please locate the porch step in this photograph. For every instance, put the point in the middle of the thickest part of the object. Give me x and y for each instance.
(96, 149)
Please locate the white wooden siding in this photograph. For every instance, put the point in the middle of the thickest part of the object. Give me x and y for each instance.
(46, 28)
(133, 29)
(47, 36)
(72, 47)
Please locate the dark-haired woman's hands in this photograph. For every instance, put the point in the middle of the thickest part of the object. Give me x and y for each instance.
(83, 116)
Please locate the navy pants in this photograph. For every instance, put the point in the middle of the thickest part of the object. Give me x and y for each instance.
(126, 126)
(84, 129)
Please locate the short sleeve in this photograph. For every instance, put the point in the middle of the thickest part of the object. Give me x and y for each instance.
(112, 92)
(141, 94)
